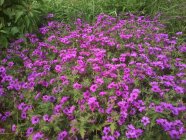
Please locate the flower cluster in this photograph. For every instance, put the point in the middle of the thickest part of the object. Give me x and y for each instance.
(175, 128)
(112, 79)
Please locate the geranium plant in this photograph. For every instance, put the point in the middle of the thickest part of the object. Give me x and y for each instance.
(113, 79)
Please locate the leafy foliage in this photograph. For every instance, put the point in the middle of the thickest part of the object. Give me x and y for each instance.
(18, 17)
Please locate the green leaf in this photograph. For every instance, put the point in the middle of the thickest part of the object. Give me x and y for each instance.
(27, 20)
(14, 30)
(45, 128)
(1, 25)
(9, 12)
(1, 2)
(96, 137)
(3, 41)
(57, 129)
(113, 127)
(82, 132)
(3, 31)
(86, 82)
(18, 15)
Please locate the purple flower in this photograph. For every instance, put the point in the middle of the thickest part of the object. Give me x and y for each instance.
(112, 85)
(52, 99)
(159, 109)
(156, 89)
(2, 69)
(134, 94)
(14, 128)
(45, 98)
(145, 120)
(106, 130)
(99, 81)
(116, 134)
(174, 134)
(62, 135)
(37, 136)
(93, 104)
(57, 108)
(10, 64)
(92, 100)
(23, 115)
(101, 110)
(7, 114)
(86, 94)
(102, 93)
(37, 96)
(2, 130)
(3, 118)
(77, 86)
(179, 90)
(35, 120)
(58, 68)
(132, 132)
(29, 131)
(179, 33)
(46, 117)
(105, 138)
(1, 91)
(64, 99)
(175, 111)
(93, 88)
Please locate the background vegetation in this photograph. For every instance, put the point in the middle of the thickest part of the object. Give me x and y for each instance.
(172, 12)
(20, 16)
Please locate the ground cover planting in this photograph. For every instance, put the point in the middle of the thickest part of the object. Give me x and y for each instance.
(112, 79)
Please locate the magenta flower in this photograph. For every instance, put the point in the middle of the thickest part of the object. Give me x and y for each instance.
(102, 93)
(86, 94)
(46, 117)
(35, 120)
(64, 99)
(37, 96)
(62, 135)
(2, 69)
(77, 86)
(132, 132)
(93, 88)
(14, 127)
(29, 131)
(52, 99)
(159, 109)
(99, 81)
(93, 104)
(7, 114)
(37, 136)
(179, 90)
(116, 134)
(50, 15)
(174, 134)
(23, 115)
(179, 33)
(10, 64)
(106, 130)
(58, 68)
(145, 120)
(2, 130)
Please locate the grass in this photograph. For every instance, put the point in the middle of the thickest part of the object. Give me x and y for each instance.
(24, 16)
(173, 12)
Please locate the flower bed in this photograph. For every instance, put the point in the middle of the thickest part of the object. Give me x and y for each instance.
(114, 79)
